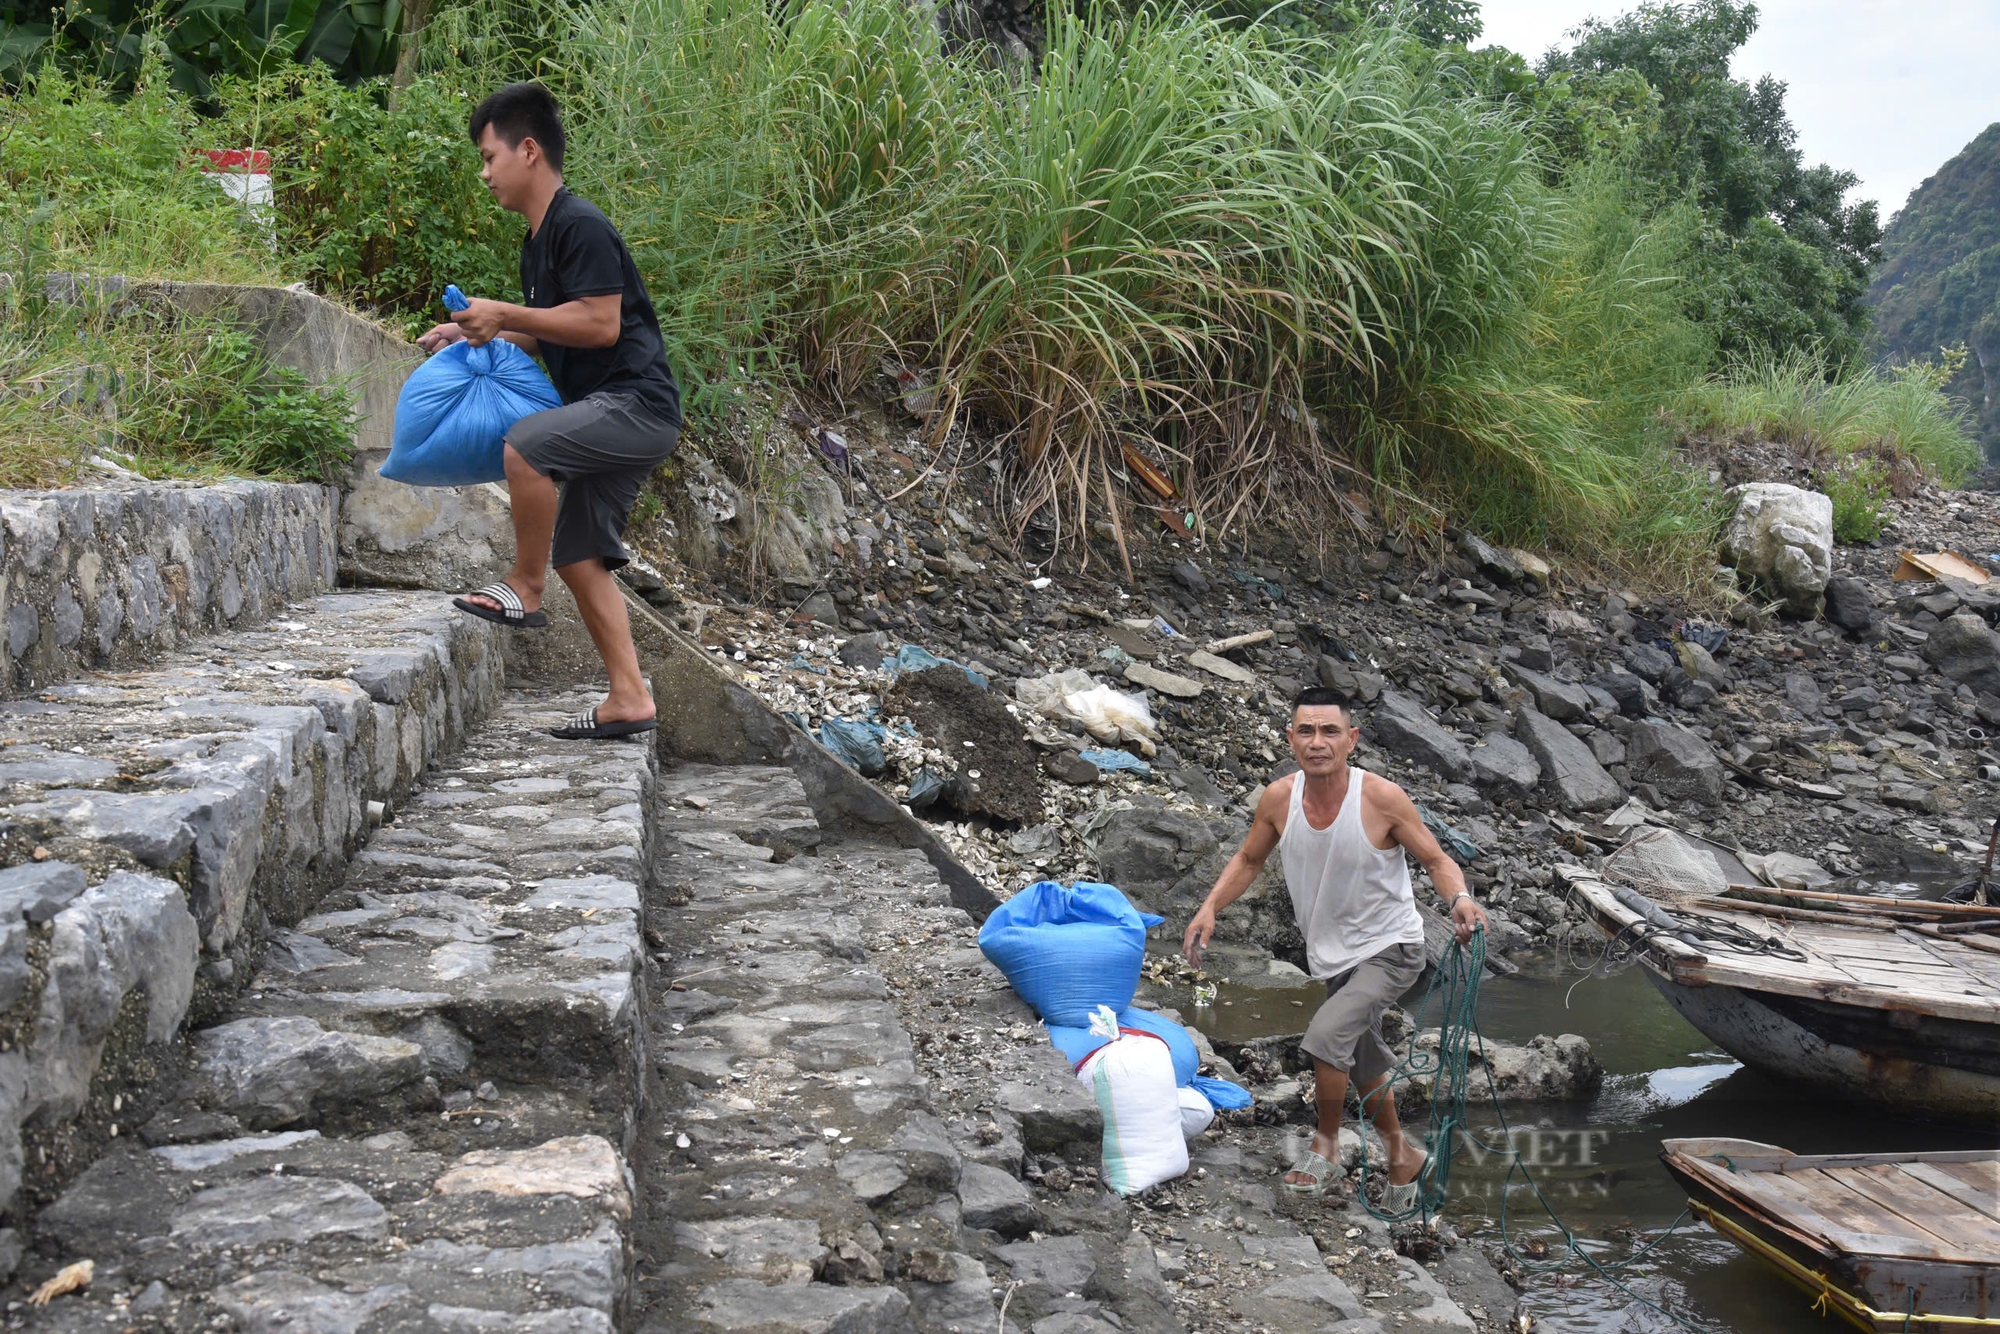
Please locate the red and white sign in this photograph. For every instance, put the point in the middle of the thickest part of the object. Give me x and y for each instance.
(245, 176)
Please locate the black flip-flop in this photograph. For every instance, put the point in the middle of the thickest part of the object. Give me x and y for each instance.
(511, 614)
(585, 727)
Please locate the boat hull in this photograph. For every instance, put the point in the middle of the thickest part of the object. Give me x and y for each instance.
(1931, 1069)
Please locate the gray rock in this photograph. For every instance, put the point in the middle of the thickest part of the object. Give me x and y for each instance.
(757, 1247)
(1504, 763)
(1781, 537)
(446, 1051)
(1967, 652)
(1060, 1264)
(1545, 1069)
(1676, 762)
(279, 1301)
(1649, 663)
(268, 1210)
(1558, 699)
(1405, 727)
(806, 1308)
(1700, 664)
(1167, 683)
(1493, 562)
(1189, 576)
(1849, 603)
(1626, 690)
(1569, 770)
(273, 1071)
(994, 1201)
(1803, 693)
(130, 933)
(820, 607)
(38, 890)
(1606, 746)
(1537, 655)
(865, 651)
(1055, 1113)
(871, 1176)
(15, 976)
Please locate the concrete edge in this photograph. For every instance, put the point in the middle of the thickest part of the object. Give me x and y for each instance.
(708, 717)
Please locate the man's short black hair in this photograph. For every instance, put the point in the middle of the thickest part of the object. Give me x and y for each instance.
(1322, 697)
(521, 111)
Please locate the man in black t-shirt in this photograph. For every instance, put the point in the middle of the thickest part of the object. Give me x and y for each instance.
(573, 471)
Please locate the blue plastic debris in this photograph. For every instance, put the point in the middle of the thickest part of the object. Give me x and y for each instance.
(1117, 761)
(858, 745)
(925, 789)
(910, 658)
(799, 663)
(454, 300)
(1458, 845)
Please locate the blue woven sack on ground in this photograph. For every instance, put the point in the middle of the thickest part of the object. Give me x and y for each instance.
(456, 409)
(1068, 949)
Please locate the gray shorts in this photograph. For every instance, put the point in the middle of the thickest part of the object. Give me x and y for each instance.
(1346, 1033)
(600, 450)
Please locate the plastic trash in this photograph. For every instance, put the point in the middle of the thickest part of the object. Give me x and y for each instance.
(455, 410)
(1225, 1095)
(1132, 1080)
(910, 658)
(454, 300)
(1110, 716)
(1458, 845)
(925, 789)
(858, 745)
(1709, 636)
(1068, 949)
(1117, 761)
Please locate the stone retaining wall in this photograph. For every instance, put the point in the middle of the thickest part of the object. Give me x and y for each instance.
(112, 577)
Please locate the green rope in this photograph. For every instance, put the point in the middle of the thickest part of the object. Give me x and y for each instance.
(1454, 985)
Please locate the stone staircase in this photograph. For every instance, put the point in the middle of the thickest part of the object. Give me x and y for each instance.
(335, 995)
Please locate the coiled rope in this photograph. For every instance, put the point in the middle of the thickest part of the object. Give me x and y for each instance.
(1454, 985)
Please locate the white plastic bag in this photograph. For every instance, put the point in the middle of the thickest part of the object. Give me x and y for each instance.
(1132, 1078)
(1196, 1112)
(1111, 716)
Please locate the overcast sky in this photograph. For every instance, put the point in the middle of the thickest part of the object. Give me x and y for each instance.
(1886, 89)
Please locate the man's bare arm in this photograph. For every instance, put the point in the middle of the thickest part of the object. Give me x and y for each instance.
(1240, 873)
(1407, 827)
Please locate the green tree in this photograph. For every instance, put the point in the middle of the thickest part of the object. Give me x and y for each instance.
(1782, 261)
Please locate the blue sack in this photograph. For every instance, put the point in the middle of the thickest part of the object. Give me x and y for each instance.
(1221, 1094)
(456, 409)
(1069, 949)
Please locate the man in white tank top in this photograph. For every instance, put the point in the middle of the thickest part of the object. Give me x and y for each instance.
(1341, 834)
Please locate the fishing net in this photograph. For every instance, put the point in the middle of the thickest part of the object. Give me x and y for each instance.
(1665, 868)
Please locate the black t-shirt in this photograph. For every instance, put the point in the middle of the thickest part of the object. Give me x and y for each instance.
(578, 253)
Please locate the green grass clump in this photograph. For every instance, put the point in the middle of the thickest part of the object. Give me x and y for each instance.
(94, 376)
(1900, 416)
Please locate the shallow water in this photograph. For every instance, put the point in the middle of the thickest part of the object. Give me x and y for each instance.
(1597, 1163)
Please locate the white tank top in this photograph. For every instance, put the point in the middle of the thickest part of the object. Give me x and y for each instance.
(1352, 898)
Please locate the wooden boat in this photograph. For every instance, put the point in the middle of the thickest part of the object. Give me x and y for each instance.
(1896, 1001)
(1886, 1241)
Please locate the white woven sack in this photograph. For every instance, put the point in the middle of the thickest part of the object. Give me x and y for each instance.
(1132, 1079)
(1196, 1112)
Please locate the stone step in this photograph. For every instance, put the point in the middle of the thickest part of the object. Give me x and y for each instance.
(494, 925)
(413, 1116)
(158, 819)
(795, 1169)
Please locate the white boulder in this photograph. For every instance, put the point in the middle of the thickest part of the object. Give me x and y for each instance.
(1782, 537)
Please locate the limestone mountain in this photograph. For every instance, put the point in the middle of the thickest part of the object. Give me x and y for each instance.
(1938, 284)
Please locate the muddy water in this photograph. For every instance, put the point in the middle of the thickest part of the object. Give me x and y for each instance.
(1598, 1162)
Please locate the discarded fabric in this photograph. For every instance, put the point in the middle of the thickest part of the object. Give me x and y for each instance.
(1710, 637)
(1225, 1095)
(858, 745)
(1117, 761)
(455, 410)
(1068, 949)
